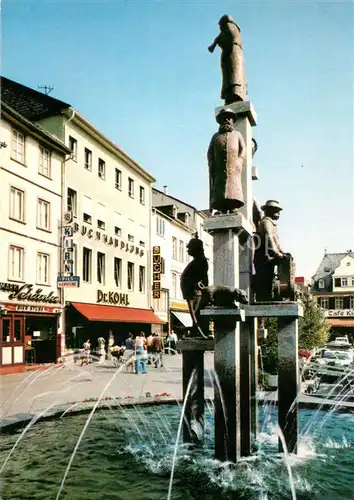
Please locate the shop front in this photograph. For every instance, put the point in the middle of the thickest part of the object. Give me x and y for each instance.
(28, 326)
(341, 322)
(180, 317)
(91, 321)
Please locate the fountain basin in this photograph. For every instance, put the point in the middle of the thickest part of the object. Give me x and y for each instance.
(127, 453)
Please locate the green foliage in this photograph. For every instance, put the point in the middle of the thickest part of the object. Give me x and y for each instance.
(313, 332)
(313, 327)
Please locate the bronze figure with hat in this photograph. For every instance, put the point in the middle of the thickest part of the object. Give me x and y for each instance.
(226, 153)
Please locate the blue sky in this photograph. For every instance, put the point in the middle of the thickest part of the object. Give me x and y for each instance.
(141, 73)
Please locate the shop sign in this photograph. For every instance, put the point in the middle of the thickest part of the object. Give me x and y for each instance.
(338, 313)
(28, 308)
(156, 272)
(114, 298)
(27, 292)
(107, 240)
(68, 281)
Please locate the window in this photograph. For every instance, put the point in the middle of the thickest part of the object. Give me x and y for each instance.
(6, 330)
(324, 302)
(87, 218)
(351, 302)
(130, 187)
(131, 238)
(337, 282)
(117, 231)
(16, 257)
(338, 303)
(17, 330)
(86, 264)
(321, 284)
(142, 195)
(44, 161)
(344, 282)
(72, 201)
(174, 285)
(18, 146)
(17, 204)
(88, 159)
(73, 147)
(160, 226)
(118, 179)
(118, 272)
(130, 276)
(101, 224)
(101, 267)
(142, 243)
(181, 250)
(42, 268)
(101, 169)
(141, 279)
(352, 281)
(174, 247)
(43, 215)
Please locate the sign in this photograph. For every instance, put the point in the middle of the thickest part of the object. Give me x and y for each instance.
(68, 281)
(27, 292)
(29, 308)
(338, 313)
(107, 240)
(156, 272)
(115, 298)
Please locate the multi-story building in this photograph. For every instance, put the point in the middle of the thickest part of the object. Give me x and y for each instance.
(333, 287)
(30, 215)
(174, 223)
(105, 233)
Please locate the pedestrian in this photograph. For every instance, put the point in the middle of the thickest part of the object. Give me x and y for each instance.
(129, 342)
(149, 348)
(86, 358)
(158, 345)
(173, 341)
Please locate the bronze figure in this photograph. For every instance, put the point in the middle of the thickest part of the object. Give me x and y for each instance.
(226, 153)
(223, 296)
(193, 280)
(268, 252)
(234, 86)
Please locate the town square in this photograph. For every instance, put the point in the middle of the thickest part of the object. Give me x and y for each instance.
(177, 272)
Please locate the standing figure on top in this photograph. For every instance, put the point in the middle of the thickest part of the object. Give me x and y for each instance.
(234, 87)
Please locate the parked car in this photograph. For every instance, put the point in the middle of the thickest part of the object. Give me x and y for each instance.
(335, 358)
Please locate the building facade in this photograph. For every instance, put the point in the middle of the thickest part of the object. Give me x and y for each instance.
(104, 272)
(174, 223)
(333, 287)
(30, 214)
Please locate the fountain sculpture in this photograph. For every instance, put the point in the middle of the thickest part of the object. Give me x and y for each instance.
(236, 257)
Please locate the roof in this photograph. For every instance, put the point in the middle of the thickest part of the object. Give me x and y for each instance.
(329, 263)
(30, 103)
(12, 115)
(174, 198)
(94, 312)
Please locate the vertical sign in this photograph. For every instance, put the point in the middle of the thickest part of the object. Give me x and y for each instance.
(156, 272)
(68, 250)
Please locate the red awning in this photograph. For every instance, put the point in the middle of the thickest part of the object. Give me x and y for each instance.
(95, 312)
(341, 322)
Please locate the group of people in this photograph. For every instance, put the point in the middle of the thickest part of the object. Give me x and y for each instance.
(151, 347)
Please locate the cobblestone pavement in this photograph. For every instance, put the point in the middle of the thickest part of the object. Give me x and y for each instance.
(30, 393)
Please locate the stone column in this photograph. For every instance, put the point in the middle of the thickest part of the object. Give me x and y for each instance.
(228, 232)
(246, 119)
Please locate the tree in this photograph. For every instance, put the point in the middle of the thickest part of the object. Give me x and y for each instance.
(269, 347)
(313, 327)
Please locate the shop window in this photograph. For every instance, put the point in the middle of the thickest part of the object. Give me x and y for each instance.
(6, 330)
(118, 272)
(86, 265)
(141, 279)
(17, 330)
(130, 282)
(101, 260)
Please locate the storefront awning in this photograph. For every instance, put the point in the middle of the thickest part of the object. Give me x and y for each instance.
(341, 322)
(95, 312)
(184, 318)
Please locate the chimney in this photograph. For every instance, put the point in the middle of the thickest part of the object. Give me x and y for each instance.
(165, 189)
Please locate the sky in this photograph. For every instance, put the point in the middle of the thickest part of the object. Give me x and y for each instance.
(140, 72)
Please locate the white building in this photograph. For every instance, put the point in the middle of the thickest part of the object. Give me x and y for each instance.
(174, 223)
(30, 213)
(107, 205)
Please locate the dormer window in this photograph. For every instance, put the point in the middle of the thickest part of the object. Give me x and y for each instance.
(321, 284)
(186, 219)
(344, 282)
(174, 211)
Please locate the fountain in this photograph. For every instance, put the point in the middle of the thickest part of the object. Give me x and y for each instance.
(230, 448)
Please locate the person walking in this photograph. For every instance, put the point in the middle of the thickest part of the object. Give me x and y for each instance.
(158, 345)
(173, 342)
